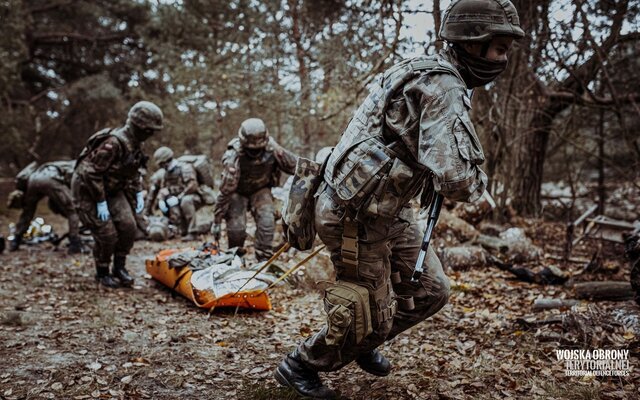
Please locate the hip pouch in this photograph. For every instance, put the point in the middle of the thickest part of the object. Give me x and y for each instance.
(298, 216)
(348, 312)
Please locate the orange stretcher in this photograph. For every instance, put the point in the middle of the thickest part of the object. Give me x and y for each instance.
(179, 279)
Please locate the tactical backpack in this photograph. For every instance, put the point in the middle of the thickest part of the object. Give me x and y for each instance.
(22, 178)
(93, 142)
(204, 172)
(203, 168)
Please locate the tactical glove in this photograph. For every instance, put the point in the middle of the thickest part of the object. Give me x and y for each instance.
(103, 211)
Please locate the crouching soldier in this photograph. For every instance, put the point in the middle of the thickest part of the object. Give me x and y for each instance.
(178, 195)
(411, 134)
(251, 167)
(107, 189)
(51, 180)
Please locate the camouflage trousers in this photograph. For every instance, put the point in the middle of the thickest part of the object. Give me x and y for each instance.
(383, 247)
(113, 237)
(184, 215)
(260, 204)
(60, 202)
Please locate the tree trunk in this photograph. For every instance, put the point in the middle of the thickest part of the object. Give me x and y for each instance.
(303, 74)
(437, 21)
(612, 290)
(602, 193)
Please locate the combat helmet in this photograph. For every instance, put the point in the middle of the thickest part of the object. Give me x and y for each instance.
(253, 134)
(162, 155)
(146, 115)
(480, 21)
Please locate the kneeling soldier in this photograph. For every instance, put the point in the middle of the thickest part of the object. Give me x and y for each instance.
(178, 192)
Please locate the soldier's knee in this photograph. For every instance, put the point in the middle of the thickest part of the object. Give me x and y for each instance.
(236, 235)
(107, 240)
(127, 227)
(441, 292)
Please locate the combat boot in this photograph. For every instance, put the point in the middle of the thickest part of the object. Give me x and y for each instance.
(14, 244)
(120, 272)
(292, 372)
(105, 278)
(374, 363)
(75, 245)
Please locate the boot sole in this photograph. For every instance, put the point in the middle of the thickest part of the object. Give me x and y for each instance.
(285, 382)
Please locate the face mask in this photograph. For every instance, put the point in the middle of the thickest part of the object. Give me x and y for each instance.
(477, 71)
(142, 134)
(254, 153)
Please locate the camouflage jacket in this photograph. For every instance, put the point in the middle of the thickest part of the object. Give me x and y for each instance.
(411, 133)
(112, 166)
(246, 175)
(181, 180)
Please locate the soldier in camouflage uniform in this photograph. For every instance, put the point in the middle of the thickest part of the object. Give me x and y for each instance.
(51, 180)
(178, 195)
(412, 134)
(107, 189)
(251, 167)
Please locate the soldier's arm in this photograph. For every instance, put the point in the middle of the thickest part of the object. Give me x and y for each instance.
(189, 178)
(229, 184)
(286, 160)
(447, 142)
(97, 165)
(28, 211)
(152, 195)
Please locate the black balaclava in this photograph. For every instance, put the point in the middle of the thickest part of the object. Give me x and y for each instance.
(141, 134)
(477, 71)
(254, 153)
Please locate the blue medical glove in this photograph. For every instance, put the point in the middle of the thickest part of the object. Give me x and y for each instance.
(103, 211)
(162, 205)
(173, 201)
(139, 202)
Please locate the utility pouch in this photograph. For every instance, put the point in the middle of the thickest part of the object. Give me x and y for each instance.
(343, 296)
(390, 195)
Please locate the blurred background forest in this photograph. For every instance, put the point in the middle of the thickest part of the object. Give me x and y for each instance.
(567, 109)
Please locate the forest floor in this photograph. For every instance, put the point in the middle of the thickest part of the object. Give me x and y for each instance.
(64, 337)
